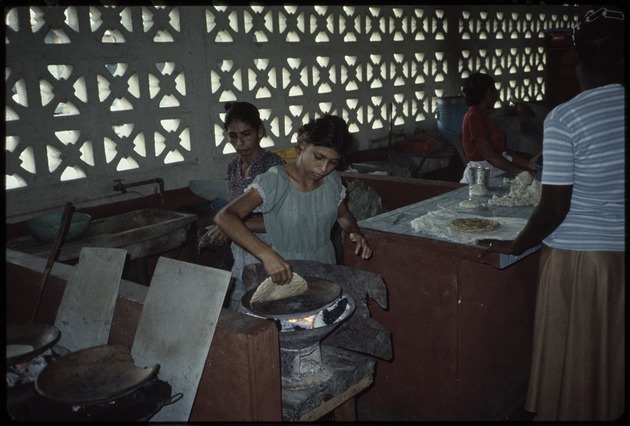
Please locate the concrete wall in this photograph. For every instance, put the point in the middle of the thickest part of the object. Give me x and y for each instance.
(103, 93)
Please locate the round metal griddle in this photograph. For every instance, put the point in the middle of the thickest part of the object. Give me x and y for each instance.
(93, 376)
(320, 294)
(39, 336)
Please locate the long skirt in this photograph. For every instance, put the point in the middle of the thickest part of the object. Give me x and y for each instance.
(578, 360)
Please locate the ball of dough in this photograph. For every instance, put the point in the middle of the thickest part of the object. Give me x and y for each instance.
(524, 179)
(477, 189)
(469, 204)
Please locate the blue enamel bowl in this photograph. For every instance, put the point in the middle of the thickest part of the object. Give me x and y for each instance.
(46, 227)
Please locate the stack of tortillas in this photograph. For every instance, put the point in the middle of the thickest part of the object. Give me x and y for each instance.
(268, 291)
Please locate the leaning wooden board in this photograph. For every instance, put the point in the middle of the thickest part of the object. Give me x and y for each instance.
(176, 327)
(85, 312)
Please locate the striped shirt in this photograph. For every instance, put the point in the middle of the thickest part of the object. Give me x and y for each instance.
(584, 146)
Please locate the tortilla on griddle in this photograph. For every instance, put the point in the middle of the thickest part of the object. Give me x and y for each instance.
(268, 291)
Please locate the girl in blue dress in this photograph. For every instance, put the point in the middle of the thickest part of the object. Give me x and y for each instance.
(300, 202)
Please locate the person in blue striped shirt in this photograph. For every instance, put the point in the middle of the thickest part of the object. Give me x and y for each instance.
(578, 360)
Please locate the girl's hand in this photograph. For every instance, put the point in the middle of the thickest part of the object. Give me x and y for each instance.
(532, 162)
(277, 268)
(362, 249)
(216, 235)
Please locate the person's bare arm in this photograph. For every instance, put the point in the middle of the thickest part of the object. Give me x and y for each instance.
(256, 224)
(217, 236)
(553, 207)
(348, 224)
(230, 220)
(495, 158)
(520, 160)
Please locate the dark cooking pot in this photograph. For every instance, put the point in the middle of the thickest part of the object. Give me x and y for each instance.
(27, 341)
(94, 375)
(94, 384)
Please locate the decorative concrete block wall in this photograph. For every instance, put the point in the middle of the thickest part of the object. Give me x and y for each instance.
(97, 93)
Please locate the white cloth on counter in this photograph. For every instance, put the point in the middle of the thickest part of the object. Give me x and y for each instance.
(437, 224)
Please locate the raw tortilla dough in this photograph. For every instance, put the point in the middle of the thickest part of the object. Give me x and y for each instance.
(469, 204)
(524, 191)
(523, 179)
(478, 189)
(268, 291)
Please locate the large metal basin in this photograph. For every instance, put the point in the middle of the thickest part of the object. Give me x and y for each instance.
(144, 232)
(142, 223)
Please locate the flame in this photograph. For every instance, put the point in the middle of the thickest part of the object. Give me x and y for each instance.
(307, 322)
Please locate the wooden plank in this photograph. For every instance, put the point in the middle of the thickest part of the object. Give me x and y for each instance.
(85, 313)
(337, 401)
(176, 327)
(243, 360)
(352, 373)
(346, 412)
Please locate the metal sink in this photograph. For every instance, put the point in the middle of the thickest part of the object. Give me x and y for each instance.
(144, 232)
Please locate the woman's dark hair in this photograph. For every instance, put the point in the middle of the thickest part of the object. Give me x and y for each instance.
(243, 111)
(475, 88)
(598, 39)
(328, 131)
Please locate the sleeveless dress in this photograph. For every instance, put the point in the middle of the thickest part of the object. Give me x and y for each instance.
(299, 224)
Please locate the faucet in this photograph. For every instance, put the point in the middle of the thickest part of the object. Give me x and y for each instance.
(122, 187)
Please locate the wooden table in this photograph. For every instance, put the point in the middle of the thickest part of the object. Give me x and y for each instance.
(461, 325)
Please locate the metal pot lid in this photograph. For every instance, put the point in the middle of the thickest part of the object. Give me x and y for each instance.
(26, 341)
(93, 376)
(320, 294)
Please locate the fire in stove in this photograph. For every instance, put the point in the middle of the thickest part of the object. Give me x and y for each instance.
(305, 323)
(27, 372)
(322, 318)
(328, 341)
(336, 300)
(300, 343)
